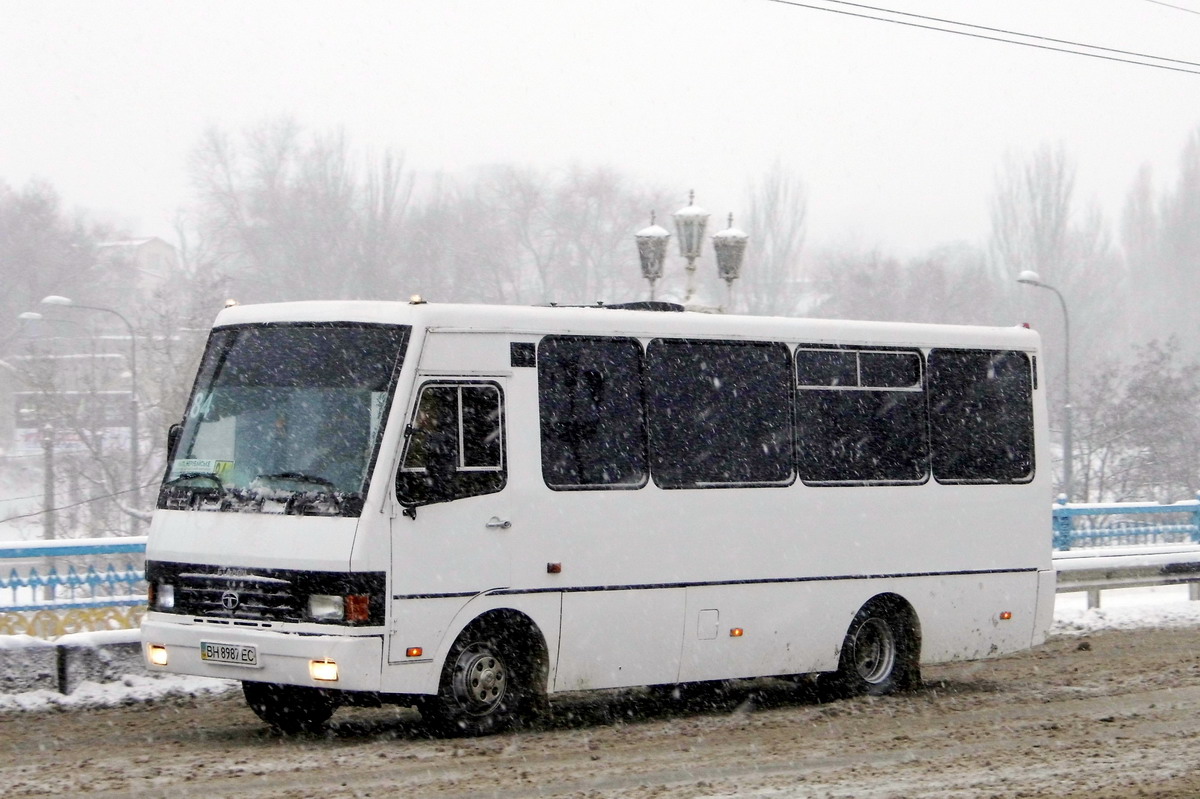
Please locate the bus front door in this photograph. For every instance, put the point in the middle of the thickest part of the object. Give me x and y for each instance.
(451, 543)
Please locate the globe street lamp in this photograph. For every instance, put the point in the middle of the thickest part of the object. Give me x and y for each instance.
(135, 480)
(1031, 278)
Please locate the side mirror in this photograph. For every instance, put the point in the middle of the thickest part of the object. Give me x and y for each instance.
(173, 434)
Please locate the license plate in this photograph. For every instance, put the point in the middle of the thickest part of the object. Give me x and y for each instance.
(230, 654)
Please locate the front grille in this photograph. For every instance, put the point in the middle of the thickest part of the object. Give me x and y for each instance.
(237, 596)
(263, 596)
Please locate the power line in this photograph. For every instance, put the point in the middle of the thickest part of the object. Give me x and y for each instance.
(1172, 5)
(18, 499)
(44, 511)
(1017, 33)
(1034, 44)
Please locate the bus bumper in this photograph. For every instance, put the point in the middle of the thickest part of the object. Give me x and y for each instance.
(1047, 583)
(264, 656)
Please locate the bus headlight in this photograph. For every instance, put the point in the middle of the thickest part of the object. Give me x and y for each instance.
(353, 608)
(162, 596)
(326, 607)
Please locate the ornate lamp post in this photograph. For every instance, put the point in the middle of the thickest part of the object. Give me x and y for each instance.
(730, 246)
(652, 251)
(134, 457)
(689, 224)
(1031, 278)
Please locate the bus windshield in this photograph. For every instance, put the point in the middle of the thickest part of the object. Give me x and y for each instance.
(285, 418)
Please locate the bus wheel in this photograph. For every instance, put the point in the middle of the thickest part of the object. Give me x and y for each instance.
(879, 654)
(290, 709)
(482, 690)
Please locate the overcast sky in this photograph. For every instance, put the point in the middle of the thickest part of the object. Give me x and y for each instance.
(896, 131)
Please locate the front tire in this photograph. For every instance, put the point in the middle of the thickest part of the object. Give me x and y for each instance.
(484, 688)
(290, 709)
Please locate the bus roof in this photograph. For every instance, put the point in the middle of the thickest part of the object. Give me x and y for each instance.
(617, 321)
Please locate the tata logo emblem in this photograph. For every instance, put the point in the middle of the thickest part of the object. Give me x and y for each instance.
(229, 600)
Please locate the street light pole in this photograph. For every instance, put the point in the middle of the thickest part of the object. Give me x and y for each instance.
(134, 455)
(1031, 278)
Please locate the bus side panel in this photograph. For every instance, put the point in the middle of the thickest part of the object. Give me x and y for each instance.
(797, 628)
(615, 639)
(960, 616)
(785, 628)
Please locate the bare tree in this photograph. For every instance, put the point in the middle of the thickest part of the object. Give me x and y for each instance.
(858, 285)
(1035, 226)
(771, 282)
(289, 216)
(1161, 241)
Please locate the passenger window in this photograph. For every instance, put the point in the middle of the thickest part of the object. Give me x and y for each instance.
(719, 413)
(860, 417)
(591, 406)
(981, 416)
(454, 444)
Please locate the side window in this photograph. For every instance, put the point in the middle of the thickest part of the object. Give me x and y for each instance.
(592, 417)
(719, 413)
(455, 444)
(981, 416)
(860, 416)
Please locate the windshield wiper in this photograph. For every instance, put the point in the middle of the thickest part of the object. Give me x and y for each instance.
(194, 476)
(299, 477)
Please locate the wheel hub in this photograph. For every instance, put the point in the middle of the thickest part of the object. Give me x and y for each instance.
(874, 651)
(481, 681)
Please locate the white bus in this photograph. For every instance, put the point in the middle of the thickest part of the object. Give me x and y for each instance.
(470, 508)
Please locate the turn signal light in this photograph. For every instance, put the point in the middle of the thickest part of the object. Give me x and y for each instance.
(358, 607)
(157, 654)
(414, 652)
(323, 670)
(1005, 615)
(736, 632)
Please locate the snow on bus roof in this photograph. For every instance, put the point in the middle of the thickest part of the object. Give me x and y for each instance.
(614, 320)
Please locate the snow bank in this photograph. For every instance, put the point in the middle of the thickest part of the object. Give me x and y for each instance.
(129, 689)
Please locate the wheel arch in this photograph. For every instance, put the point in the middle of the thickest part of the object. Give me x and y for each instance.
(521, 632)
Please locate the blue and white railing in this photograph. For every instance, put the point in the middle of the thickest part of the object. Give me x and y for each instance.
(1099, 546)
(67, 574)
(1125, 524)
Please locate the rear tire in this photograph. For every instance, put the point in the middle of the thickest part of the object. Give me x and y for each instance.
(880, 654)
(290, 709)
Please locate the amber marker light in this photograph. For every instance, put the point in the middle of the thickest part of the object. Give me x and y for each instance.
(414, 652)
(324, 670)
(157, 654)
(1005, 615)
(736, 632)
(358, 607)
